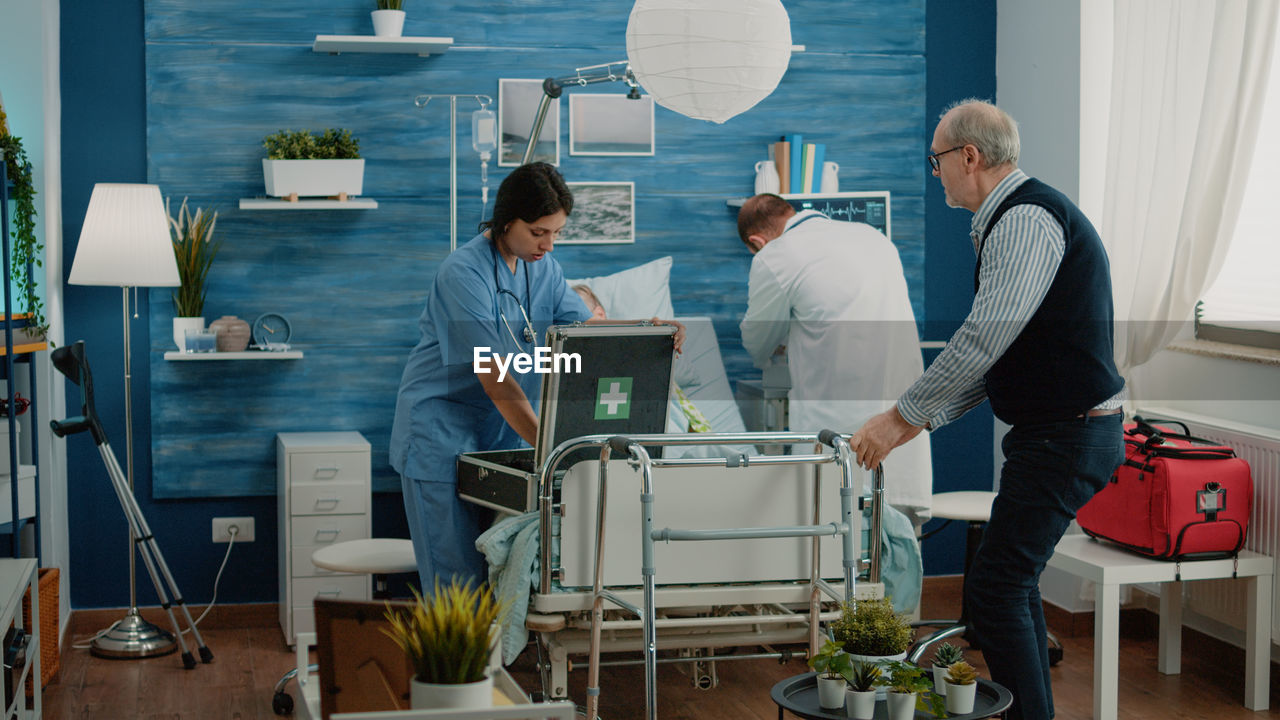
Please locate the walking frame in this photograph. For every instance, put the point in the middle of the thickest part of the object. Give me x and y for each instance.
(633, 449)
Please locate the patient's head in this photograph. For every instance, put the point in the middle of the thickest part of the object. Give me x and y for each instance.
(593, 302)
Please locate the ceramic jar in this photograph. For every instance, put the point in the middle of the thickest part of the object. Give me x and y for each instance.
(233, 333)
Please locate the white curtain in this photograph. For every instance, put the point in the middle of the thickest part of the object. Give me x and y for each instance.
(1187, 92)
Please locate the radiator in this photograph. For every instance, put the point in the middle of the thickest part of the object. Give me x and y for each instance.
(1223, 601)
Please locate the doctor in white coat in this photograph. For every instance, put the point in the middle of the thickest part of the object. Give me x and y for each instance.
(833, 294)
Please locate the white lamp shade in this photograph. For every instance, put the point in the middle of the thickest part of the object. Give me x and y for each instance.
(125, 239)
(709, 59)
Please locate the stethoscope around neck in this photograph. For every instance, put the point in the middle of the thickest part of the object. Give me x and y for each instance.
(528, 334)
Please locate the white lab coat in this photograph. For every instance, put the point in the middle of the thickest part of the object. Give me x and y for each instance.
(835, 295)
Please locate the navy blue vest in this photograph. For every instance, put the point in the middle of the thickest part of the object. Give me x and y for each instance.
(1061, 364)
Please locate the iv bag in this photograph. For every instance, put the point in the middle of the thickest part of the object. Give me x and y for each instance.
(484, 131)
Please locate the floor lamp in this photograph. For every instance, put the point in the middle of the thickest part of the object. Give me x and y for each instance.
(125, 243)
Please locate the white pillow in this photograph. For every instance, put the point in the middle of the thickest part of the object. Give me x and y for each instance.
(637, 293)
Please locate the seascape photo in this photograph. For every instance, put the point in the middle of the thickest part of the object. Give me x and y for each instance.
(518, 102)
(603, 213)
(610, 125)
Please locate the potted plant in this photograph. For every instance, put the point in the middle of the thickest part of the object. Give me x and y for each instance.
(25, 248)
(831, 663)
(870, 631)
(448, 638)
(388, 19)
(946, 655)
(860, 698)
(909, 690)
(962, 687)
(194, 248)
(303, 164)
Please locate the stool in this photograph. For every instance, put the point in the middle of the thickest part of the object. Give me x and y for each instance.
(973, 507)
(378, 557)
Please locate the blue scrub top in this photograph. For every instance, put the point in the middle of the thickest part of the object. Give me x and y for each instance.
(442, 410)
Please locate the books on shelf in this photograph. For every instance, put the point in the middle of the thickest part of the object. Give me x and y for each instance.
(780, 153)
(799, 164)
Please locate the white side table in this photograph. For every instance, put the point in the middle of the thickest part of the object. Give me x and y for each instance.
(1110, 567)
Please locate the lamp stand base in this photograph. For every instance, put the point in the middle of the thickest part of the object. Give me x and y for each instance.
(133, 637)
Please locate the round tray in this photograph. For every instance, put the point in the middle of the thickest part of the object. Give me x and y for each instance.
(799, 694)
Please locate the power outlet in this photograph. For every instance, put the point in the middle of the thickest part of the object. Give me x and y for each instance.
(222, 529)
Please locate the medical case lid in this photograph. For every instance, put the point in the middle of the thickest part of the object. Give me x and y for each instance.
(621, 386)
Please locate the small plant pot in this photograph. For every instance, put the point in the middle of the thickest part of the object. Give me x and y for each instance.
(831, 692)
(940, 679)
(860, 704)
(180, 327)
(876, 660)
(901, 706)
(960, 698)
(427, 696)
(388, 23)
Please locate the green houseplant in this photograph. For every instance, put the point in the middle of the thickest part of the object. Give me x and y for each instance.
(860, 698)
(831, 663)
(871, 628)
(388, 19)
(448, 638)
(909, 690)
(194, 249)
(943, 657)
(301, 163)
(25, 248)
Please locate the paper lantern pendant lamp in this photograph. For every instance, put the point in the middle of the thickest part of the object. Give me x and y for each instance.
(709, 59)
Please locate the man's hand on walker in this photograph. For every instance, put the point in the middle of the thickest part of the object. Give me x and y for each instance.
(884, 432)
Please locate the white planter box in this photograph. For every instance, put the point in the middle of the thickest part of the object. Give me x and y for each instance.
(26, 494)
(313, 178)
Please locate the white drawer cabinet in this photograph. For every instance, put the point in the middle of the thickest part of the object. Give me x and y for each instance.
(324, 494)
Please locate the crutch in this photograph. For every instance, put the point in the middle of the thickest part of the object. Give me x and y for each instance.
(70, 361)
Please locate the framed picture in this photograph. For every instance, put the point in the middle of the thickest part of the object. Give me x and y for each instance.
(610, 125)
(603, 213)
(518, 102)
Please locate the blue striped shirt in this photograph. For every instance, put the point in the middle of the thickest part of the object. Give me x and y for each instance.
(1019, 261)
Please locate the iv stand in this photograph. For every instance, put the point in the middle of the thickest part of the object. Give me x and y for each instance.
(421, 101)
(553, 87)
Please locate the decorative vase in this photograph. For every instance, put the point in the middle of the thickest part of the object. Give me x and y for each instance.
(940, 679)
(180, 327)
(233, 333)
(960, 698)
(860, 704)
(878, 660)
(901, 706)
(388, 23)
(831, 692)
(427, 696)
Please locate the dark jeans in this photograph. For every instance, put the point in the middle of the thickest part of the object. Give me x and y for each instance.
(1050, 471)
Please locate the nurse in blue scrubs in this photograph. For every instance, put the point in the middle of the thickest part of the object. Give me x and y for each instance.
(500, 290)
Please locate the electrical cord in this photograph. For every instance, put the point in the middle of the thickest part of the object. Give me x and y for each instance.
(233, 531)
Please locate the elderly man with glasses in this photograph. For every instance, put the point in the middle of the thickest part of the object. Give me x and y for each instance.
(1037, 344)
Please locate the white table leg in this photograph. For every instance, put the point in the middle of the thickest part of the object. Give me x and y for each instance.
(1257, 678)
(1169, 659)
(1106, 651)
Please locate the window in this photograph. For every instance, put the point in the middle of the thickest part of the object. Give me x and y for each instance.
(1243, 304)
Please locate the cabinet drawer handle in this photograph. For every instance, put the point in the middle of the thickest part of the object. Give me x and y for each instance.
(327, 503)
(328, 535)
(328, 473)
(329, 593)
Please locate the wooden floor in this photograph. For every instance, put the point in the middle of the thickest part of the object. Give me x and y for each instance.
(250, 657)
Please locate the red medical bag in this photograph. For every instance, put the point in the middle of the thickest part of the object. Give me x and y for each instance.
(1175, 497)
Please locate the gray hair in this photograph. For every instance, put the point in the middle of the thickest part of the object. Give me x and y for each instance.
(985, 126)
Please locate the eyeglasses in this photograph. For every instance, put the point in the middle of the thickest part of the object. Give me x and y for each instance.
(933, 159)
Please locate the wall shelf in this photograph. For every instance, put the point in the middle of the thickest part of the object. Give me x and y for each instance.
(420, 46)
(178, 355)
(318, 204)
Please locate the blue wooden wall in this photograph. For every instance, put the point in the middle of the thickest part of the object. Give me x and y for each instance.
(107, 137)
(219, 78)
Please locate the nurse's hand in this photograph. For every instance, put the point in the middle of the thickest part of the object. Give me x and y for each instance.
(679, 336)
(884, 432)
